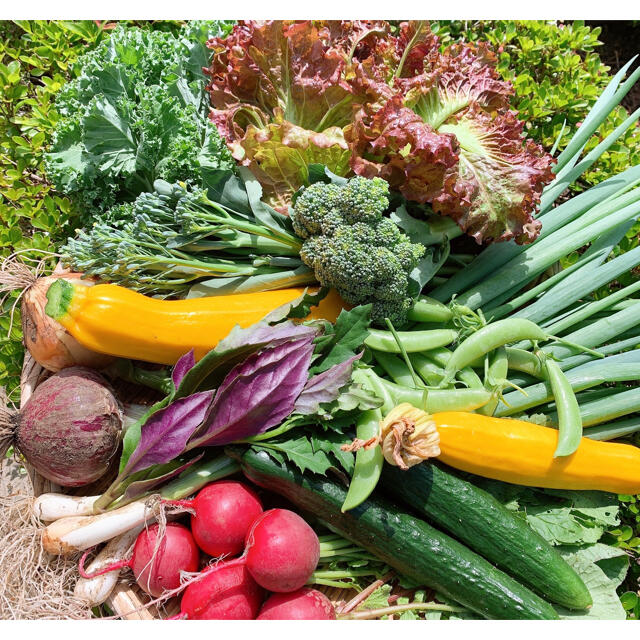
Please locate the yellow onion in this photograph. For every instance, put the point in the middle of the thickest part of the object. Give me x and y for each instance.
(50, 344)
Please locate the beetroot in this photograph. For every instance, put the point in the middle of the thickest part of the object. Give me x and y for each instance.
(304, 604)
(159, 571)
(224, 512)
(69, 429)
(282, 551)
(227, 593)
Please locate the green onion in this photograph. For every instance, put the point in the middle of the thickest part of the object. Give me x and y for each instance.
(592, 308)
(543, 254)
(605, 371)
(612, 430)
(609, 408)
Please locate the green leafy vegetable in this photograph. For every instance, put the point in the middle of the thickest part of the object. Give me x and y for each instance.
(603, 569)
(560, 516)
(136, 113)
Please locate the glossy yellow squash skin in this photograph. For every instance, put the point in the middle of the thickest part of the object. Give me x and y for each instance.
(114, 320)
(522, 453)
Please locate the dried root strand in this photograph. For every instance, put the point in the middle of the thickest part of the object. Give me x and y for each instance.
(33, 584)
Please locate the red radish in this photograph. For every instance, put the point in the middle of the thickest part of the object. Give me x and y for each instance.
(228, 593)
(304, 604)
(157, 570)
(282, 551)
(224, 513)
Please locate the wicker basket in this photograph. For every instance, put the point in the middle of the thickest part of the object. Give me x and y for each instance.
(127, 600)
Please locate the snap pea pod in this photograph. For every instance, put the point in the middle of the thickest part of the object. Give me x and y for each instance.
(470, 378)
(395, 368)
(429, 310)
(569, 420)
(525, 362)
(441, 356)
(368, 463)
(412, 341)
(436, 400)
(428, 370)
(496, 377)
(368, 379)
(489, 338)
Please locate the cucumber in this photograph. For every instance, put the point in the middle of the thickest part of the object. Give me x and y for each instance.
(480, 521)
(409, 545)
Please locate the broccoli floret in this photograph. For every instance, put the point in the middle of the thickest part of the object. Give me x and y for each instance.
(351, 247)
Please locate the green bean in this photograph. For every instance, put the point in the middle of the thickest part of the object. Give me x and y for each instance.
(435, 400)
(490, 337)
(368, 463)
(395, 368)
(428, 370)
(569, 420)
(495, 379)
(412, 341)
(429, 310)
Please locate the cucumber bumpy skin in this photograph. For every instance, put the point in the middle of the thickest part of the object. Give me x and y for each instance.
(480, 521)
(409, 545)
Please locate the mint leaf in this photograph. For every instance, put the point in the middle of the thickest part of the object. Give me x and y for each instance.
(300, 452)
(349, 334)
(330, 443)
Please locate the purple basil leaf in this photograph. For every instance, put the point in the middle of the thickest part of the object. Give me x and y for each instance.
(263, 333)
(164, 435)
(141, 487)
(325, 387)
(257, 394)
(184, 364)
(235, 348)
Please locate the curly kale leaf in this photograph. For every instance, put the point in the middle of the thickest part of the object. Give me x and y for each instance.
(136, 113)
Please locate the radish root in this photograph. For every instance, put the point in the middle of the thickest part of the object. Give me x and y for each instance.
(33, 584)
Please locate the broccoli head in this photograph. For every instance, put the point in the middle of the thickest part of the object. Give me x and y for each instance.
(353, 248)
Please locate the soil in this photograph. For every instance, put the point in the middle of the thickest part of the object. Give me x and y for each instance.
(621, 41)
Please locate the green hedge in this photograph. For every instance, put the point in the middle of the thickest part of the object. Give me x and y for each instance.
(557, 75)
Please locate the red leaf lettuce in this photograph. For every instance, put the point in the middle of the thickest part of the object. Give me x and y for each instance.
(355, 96)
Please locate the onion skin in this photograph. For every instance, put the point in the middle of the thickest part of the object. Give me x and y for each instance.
(50, 344)
(69, 430)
